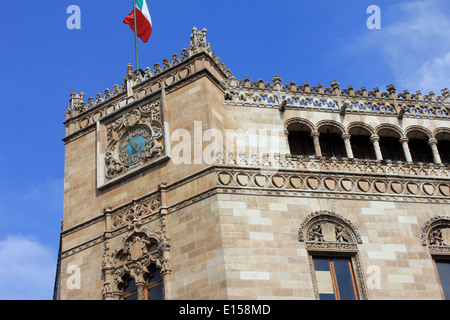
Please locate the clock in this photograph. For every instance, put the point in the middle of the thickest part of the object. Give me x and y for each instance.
(134, 145)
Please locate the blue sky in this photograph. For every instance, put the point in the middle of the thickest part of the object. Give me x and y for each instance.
(42, 61)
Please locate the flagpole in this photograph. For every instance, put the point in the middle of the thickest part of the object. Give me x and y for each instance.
(135, 37)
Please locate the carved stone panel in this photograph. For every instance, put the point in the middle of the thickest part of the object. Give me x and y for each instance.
(327, 230)
(436, 235)
(134, 254)
(129, 140)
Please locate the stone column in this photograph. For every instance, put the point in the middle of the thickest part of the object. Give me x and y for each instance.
(433, 144)
(375, 139)
(315, 136)
(108, 293)
(140, 290)
(404, 142)
(348, 146)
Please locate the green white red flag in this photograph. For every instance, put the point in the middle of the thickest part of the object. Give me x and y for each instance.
(143, 20)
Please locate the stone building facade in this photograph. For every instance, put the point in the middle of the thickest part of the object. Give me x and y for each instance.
(185, 183)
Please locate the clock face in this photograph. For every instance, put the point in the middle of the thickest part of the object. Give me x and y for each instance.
(134, 145)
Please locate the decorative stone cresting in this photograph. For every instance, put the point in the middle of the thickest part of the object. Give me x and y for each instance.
(334, 99)
(81, 114)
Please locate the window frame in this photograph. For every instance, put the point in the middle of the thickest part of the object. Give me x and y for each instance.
(146, 289)
(442, 259)
(350, 258)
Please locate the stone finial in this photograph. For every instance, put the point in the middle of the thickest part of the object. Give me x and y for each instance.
(277, 81)
(116, 89)
(335, 85)
(292, 86)
(130, 74)
(431, 97)
(166, 64)
(391, 89)
(446, 95)
(246, 83)
(418, 96)
(198, 40)
(306, 87)
(261, 84)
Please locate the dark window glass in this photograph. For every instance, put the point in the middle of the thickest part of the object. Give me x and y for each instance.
(344, 279)
(327, 297)
(300, 143)
(391, 149)
(156, 276)
(420, 150)
(444, 150)
(362, 148)
(130, 286)
(332, 145)
(156, 293)
(322, 264)
(443, 267)
(153, 290)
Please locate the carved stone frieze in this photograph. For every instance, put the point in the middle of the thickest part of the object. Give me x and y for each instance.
(325, 176)
(137, 209)
(337, 165)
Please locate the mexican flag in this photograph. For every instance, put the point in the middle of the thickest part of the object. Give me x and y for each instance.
(143, 21)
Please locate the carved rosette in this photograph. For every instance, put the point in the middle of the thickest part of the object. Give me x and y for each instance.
(123, 151)
(140, 251)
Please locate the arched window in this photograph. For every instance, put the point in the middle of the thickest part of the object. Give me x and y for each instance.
(136, 270)
(443, 145)
(418, 146)
(361, 145)
(331, 142)
(436, 235)
(331, 242)
(299, 138)
(151, 289)
(129, 289)
(390, 145)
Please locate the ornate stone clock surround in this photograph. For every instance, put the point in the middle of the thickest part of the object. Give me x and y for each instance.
(147, 113)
